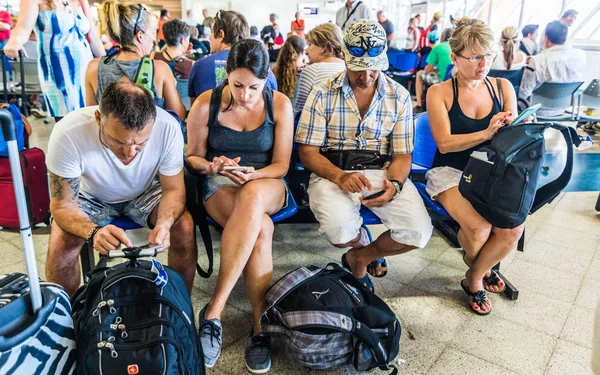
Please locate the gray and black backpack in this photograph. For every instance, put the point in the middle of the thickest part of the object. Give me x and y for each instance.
(325, 318)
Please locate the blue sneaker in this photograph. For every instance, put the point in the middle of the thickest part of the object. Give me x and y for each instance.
(258, 353)
(211, 338)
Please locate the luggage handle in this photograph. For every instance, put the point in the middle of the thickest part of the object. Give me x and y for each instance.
(23, 93)
(133, 253)
(10, 136)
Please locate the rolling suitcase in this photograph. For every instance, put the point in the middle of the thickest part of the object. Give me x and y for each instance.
(33, 166)
(36, 330)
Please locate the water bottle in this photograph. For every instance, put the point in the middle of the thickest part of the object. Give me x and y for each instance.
(586, 142)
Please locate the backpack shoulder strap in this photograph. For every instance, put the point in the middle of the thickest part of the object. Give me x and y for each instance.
(145, 74)
(549, 191)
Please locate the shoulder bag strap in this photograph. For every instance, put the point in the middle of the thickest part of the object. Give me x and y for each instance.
(350, 14)
(500, 94)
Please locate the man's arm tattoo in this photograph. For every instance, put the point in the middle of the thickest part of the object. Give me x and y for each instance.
(58, 185)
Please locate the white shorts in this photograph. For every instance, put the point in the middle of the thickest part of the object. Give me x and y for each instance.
(440, 179)
(338, 212)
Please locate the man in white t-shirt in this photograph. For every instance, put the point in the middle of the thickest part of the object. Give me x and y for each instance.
(122, 158)
(352, 11)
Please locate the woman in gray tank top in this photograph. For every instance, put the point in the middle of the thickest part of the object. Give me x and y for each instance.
(242, 123)
(135, 30)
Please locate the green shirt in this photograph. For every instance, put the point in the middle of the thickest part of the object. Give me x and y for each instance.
(440, 57)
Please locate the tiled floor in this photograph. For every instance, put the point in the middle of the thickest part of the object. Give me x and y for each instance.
(548, 330)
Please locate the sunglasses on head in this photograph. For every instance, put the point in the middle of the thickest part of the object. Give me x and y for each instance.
(141, 10)
(360, 51)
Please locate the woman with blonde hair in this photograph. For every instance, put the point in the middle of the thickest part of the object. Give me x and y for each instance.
(134, 29)
(466, 112)
(511, 57)
(325, 60)
(289, 64)
(66, 43)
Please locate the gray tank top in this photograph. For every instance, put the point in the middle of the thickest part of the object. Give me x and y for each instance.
(255, 148)
(111, 70)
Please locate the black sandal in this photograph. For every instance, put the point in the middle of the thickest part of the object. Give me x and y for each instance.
(479, 297)
(492, 280)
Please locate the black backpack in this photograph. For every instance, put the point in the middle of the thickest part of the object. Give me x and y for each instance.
(500, 179)
(136, 320)
(325, 318)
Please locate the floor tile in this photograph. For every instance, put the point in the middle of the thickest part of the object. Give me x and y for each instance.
(418, 354)
(535, 311)
(18, 266)
(579, 202)
(534, 278)
(456, 362)
(436, 246)
(441, 280)
(423, 315)
(589, 294)
(541, 215)
(506, 344)
(567, 257)
(232, 361)
(579, 326)
(582, 220)
(531, 228)
(401, 269)
(594, 270)
(569, 358)
(579, 240)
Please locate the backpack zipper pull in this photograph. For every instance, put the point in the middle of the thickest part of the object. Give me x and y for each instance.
(111, 347)
(124, 334)
(99, 307)
(110, 303)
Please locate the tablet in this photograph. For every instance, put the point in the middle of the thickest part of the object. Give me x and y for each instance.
(529, 111)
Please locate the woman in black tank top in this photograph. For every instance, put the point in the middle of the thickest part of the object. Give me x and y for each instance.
(465, 113)
(242, 124)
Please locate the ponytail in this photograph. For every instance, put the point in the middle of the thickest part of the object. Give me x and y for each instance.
(120, 21)
(112, 17)
(509, 38)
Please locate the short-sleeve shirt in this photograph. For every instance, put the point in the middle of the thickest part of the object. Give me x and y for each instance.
(181, 66)
(388, 26)
(159, 32)
(209, 72)
(6, 18)
(75, 150)
(298, 25)
(440, 57)
(361, 12)
(331, 118)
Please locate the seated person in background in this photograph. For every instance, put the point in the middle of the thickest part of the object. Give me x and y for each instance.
(134, 29)
(207, 73)
(465, 112)
(355, 112)
(242, 123)
(529, 44)
(435, 70)
(177, 37)
(199, 49)
(325, 56)
(510, 58)
(254, 34)
(123, 158)
(289, 65)
(557, 63)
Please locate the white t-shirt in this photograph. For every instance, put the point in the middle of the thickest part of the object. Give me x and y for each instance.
(75, 150)
(500, 63)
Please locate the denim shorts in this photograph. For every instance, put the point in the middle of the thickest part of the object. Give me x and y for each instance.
(138, 209)
(213, 183)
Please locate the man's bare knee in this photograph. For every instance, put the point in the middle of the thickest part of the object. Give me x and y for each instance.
(62, 242)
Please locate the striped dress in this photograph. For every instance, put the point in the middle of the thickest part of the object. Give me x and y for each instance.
(64, 56)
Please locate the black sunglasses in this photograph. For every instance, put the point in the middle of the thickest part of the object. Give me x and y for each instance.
(141, 10)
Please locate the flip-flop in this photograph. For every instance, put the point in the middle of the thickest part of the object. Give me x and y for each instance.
(378, 265)
(365, 280)
(479, 298)
(491, 280)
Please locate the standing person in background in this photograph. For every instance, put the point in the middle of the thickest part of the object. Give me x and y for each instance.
(387, 25)
(63, 28)
(326, 58)
(208, 21)
(511, 57)
(412, 36)
(269, 32)
(435, 70)
(228, 27)
(433, 26)
(529, 44)
(289, 65)
(254, 34)
(5, 25)
(164, 17)
(189, 18)
(298, 25)
(134, 29)
(351, 11)
(568, 18)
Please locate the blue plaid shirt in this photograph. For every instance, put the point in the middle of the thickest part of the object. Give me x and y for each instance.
(331, 118)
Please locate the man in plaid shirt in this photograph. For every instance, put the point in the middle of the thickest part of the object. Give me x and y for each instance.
(350, 114)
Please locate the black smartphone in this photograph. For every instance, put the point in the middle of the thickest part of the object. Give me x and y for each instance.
(374, 195)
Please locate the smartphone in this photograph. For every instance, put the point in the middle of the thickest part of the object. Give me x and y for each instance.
(374, 195)
(529, 111)
(230, 168)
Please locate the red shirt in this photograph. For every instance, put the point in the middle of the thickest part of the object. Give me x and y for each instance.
(159, 33)
(298, 25)
(6, 18)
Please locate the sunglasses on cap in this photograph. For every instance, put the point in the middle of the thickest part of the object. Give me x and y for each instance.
(360, 51)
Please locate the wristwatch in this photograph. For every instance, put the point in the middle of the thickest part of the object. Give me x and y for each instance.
(398, 185)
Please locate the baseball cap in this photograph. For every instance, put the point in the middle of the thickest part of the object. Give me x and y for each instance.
(365, 46)
(433, 36)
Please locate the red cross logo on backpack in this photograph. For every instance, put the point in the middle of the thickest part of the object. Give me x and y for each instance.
(132, 369)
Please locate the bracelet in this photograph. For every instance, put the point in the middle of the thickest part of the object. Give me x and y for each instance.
(93, 231)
